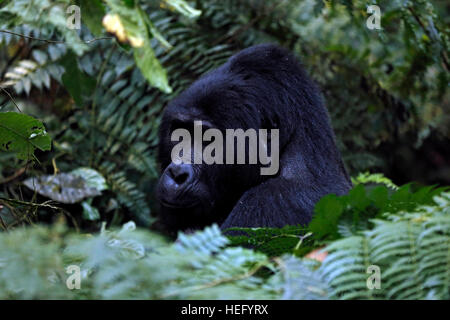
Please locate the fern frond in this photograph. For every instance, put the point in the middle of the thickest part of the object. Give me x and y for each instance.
(302, 280)
(209, 241)
(127, 193)
(412, 251)
(37, 73)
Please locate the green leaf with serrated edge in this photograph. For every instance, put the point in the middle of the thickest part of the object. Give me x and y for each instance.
(326, 216)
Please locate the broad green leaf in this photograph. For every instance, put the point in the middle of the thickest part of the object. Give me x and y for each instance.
(153, 31)
(22, 134)
(151, 68)
(92, 14)
(131, 25)
(357, 198)
(379, 196)
(182, 7)
(326, 216)
(92, 177)
(79, 84)
(126, 22)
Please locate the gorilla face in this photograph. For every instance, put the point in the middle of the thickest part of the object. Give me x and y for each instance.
(186, 198)
(196, 195)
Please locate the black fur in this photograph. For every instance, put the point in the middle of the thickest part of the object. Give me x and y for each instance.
(260, 87)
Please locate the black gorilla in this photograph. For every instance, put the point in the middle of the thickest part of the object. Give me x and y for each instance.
(260, 87)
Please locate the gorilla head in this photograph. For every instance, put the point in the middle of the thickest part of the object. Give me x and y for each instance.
(262, 87)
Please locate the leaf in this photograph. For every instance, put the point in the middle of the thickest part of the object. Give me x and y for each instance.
(366, 177)
(46, 13)
(79, 84)
(326, 216)
(357, 198)
(89, 212)
(379, 195)
(183, 7)
(126, 30)
(126, 23)
(22, 134)
(151, 68)
(302, 281)
(63, 187)
(154, 32)
(131, 26)
(92, 177)
(273, 242)
(93, 12)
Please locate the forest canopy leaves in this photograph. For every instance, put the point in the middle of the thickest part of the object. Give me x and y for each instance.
(45, 13)
(344, 216)
(136, 263)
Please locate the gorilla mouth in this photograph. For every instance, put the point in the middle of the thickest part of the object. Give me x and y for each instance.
(179, 205)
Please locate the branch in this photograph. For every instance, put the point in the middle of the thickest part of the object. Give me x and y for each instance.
(12, 99)
(31, 204)
(17, 174)
(51, 41)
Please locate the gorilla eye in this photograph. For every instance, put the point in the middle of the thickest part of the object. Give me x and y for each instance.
(189, 125)
(178, 124)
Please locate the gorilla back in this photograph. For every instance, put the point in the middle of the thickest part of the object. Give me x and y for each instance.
(262, 87)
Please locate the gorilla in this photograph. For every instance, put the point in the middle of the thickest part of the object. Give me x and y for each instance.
(263, 86)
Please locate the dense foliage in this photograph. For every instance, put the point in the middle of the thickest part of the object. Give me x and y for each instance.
(411, 249)
(79, 114)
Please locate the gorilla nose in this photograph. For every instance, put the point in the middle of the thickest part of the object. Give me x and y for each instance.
(180, 174)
